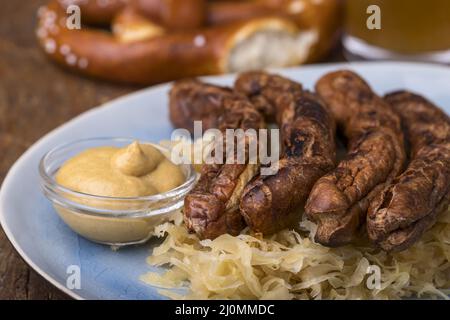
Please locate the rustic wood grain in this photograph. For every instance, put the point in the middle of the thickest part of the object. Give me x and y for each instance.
(35, 97)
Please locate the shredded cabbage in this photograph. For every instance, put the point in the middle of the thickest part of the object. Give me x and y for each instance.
(290, 265)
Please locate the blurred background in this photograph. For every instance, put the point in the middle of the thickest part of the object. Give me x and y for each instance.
(49, 74)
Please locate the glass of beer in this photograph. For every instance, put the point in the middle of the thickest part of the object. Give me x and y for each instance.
(398, 30)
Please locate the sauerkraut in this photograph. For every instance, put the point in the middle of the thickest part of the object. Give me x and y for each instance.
(290, 265)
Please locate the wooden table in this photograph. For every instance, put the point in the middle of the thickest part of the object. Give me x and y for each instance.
(35, 97)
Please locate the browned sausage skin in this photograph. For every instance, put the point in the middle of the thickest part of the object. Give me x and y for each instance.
(274, 202)
(339, 201)
(407, 207)
(212, 207)
(192, 100)
(264, 90)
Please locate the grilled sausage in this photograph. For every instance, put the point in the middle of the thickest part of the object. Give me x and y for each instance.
(211, 208)
(264, 90)
(274, 202)
(192, 100)
(339, 201)
(410, 204)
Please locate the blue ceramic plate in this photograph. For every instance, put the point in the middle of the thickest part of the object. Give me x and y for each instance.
(50, 247)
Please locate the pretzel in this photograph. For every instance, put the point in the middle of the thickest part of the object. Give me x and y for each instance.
(321, 15)
(153, 41)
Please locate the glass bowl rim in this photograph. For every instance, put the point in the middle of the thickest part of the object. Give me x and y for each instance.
(50, 182)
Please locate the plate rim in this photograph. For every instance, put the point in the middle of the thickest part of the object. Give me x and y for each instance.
(11, 172)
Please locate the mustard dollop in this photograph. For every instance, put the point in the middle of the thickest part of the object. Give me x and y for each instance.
(134, 171)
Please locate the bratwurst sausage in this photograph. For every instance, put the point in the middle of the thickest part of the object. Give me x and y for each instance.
(273, 202)
(212, 207)
(410, 204)
(339, 200)
(192, 100)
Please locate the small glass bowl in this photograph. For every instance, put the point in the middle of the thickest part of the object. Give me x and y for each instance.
(110, 220)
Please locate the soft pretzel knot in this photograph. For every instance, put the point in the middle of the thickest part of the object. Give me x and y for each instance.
(152, 41)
